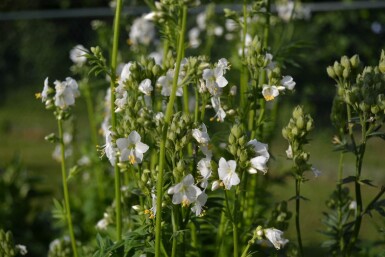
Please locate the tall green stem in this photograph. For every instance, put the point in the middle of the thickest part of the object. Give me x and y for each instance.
(162, 152)
(65, 189)
(297, 218)
(244, 75)
(94, 137)
(114, 58)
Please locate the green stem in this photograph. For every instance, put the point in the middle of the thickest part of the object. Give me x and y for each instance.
(114, 58)
(244, 75)
(220, 233)
(194, 239)
(297, 218)
(162, 152)
(339, 190)
(65, 189)
(174, 230)
(94, 138)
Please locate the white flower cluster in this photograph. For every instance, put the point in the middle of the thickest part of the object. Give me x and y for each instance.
(65, 93)
(213, 81)
(142, 31)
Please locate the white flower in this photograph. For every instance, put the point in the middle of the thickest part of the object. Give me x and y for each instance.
(121, 100)
(158, 57)
(220, 113)
(193, 36)
(206, 151)
(288, 83)
(227, 174)
(218, 31)
(270, 64)
(131, 148)
(275, 237)
(102, 224)
(46, 90)
(185, 192)
(77, 55)
(166, 83)
(316, 172)
(153, 208)
(260, 148)
(142, 31)
(199, 203)
(145, 87)
(289, 152)
(204, 169)
(231, 25)
(201, 136)
(109, 149)
(201, 20)
(66, 91)
(270, 92)
(125, 74)
(259, 162)
(22, 249)
(285, 10)
(214, 80)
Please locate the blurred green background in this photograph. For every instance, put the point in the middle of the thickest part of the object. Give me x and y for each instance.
(32, 49)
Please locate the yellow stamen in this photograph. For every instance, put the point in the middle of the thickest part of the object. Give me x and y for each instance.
(185, 203)
(132, 159)
(269, 97)
(38, 95)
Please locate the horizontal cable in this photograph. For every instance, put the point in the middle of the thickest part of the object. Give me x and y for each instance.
(137, 10)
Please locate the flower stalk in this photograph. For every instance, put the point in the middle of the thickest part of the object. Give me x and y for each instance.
(167, 120)
(65, 188)
(114, 57)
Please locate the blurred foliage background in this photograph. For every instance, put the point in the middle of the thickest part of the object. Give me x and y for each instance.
(32, 49)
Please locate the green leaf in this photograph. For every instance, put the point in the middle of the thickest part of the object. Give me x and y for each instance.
(349, 179)
(377, 134)
(366, 182)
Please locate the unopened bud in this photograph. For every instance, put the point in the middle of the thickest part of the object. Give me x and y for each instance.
(331, 72)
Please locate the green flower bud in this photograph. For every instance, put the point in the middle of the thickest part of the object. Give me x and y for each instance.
(298, 112)
(330, 72)
(346, 73)
(242, 141)
(381, 67)
(295, 131)
(236, 130)
(337, 69)
(243, 157)
(233, 149)
(345, 62)
(355, 61)
(156, 70)
(309, 125)
(364, 107)
(232, 139)
(375, 109)
(285, 133)
(300, 123)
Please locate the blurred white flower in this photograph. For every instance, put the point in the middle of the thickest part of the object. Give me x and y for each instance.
(166, 83)
(259, 162)
(201, 136)
(270, 63)
(204, 169)
(316, 172)
(145, 87)
(109, 148)
(46, 90)
(131, 148)
(193, 36)
(288, 83)
(66, 92)
(285, 9)
(289, 152)
(125, 73)
(275, 237)
(218, 31)
(185, 192)
(142, 31)
(77, 55)
(231, 25)
(220, 113)
(201, 20)
(226, 172)
(22, 249)
(199, 203)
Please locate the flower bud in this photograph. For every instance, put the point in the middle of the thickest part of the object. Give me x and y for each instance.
(298, 112)
(345, 62)
(337, 69)
(346, 73)
(375, 109)
(330, 72)
(381, 67)
(300, 123)
(355, 61)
